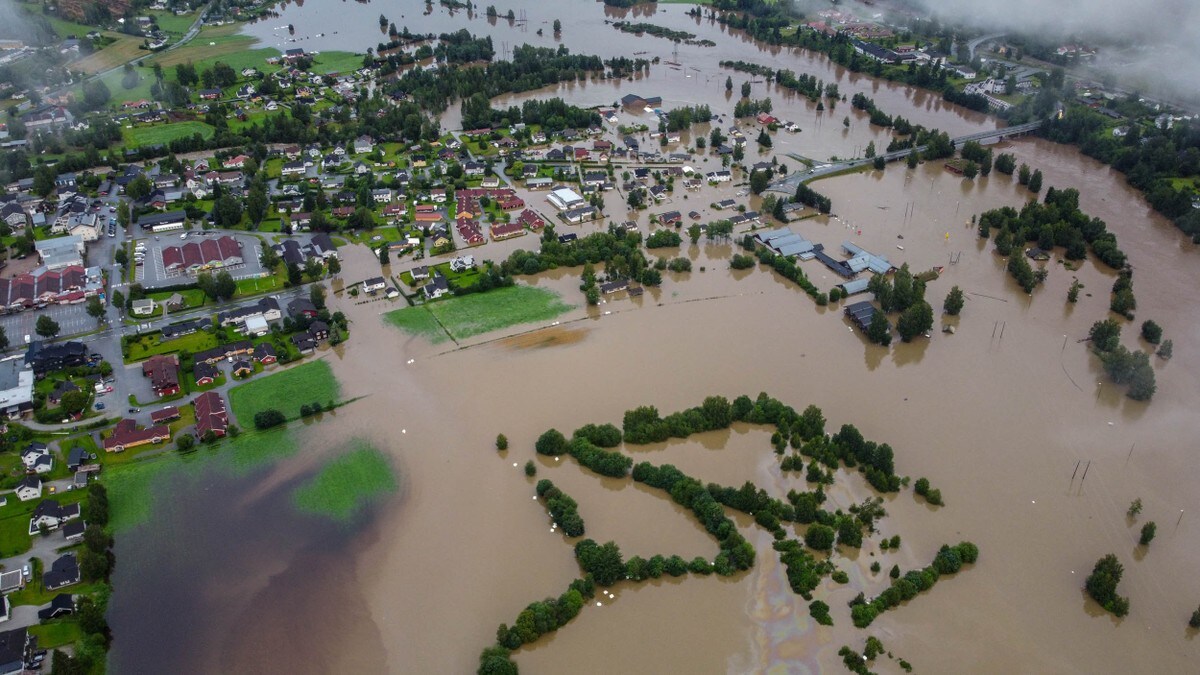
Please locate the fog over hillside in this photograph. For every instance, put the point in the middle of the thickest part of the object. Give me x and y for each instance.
(1166, 32)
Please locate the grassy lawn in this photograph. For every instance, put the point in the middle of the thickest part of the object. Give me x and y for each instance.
(57, 633)
(247, 287)
(35, 594)
(165, 133)
(285, 391)
(192, 297)
(168, 22)
(345, 485)
(217, 43)
(337, 62)
(14, 520)
(417, 321)
(114, 82)
(149, 345)
(126, 48)
(479, 313)
(84, 441)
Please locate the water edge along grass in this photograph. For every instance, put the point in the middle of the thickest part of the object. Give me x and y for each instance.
(285, 391)
(470, 315)
(346, 484)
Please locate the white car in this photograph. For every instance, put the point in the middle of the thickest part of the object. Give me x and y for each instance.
(183, 236)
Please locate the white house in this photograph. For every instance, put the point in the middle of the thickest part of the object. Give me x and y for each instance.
(33, 453)
(143, 307)
(29, 488)
(51, 514)
(462, 263)
(374, 284)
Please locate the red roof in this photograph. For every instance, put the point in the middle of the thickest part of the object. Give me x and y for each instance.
(168, 413)
(126, 435)
(211, 414)
(505, 230)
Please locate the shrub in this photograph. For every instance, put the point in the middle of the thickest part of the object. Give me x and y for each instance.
(1148, 531)
(551, 443)
(501, 442)
(268, 418)
(530, 468)
(819, 537)
(1102, 584)
(820, 611)
(1152, 332)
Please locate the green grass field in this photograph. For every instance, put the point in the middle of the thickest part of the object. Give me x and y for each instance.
(165, 133)
(176, 25)
(114, 82)
(345, 485)
(479, 313)
(337, 62)
(149, 345)
(285, 391)
(217, 43)
(56, 634)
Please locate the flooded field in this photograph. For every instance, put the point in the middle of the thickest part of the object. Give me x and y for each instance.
(997, 416)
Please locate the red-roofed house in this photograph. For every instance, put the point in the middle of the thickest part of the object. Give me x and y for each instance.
(502, 231)
(211, 414)
(163, 371)
(127, 435)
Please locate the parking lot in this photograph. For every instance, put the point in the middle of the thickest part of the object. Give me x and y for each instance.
(72, 319)
(153, 273)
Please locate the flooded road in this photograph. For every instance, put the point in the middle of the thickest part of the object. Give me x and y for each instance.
(997, 416)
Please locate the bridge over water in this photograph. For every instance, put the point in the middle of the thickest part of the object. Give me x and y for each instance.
(788, 184)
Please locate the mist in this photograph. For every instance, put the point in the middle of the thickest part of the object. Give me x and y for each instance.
(1163, 36)
(14, 23)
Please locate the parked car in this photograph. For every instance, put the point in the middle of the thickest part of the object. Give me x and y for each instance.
(135, 410)
(99, 406)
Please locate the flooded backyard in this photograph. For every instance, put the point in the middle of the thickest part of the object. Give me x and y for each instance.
(996, 415)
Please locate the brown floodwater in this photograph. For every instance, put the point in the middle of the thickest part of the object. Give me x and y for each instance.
(997, 416)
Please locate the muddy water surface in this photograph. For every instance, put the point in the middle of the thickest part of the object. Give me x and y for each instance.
(997, 416)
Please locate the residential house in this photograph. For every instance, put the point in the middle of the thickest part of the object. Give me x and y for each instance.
(62, 572)
(302, 307)
(164, 415)
(33, 452)
(226, 351)
(264, 353)
(205, 373)
(73, 531)
(267, 308)
(163, 371)
(319, 330)
(211, 414)
(242, 368)
(51, 514)
(126, 434)
(437, 287)
(29, 488)
(501, 231)
(62, 605)
(374, 284)
(142, 307)
(76, 456)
